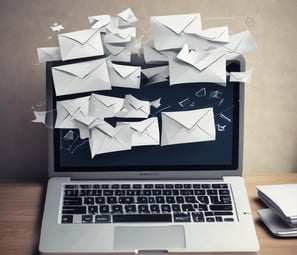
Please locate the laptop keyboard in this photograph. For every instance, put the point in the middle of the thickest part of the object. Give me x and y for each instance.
(124, 203)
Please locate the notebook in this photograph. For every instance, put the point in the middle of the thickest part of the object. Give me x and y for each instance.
(176, 186)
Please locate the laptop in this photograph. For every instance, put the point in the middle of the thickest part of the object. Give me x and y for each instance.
(178, 196)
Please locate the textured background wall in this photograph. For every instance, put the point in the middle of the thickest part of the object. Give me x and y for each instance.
(270, 113)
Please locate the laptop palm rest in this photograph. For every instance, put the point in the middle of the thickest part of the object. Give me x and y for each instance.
(150, 238)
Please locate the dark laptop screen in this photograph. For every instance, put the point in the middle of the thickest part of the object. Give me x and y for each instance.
(71, 153)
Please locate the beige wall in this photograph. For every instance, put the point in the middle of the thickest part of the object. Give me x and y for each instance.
(270, 116)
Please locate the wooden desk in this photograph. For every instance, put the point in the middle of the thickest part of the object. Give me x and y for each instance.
(21, 207)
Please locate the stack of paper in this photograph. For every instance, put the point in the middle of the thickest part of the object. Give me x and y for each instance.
(281, 217)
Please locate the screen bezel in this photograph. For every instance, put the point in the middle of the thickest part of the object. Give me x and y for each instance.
(141, 172)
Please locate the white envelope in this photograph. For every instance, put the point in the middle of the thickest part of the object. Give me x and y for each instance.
(81, 77)
(118, 53)
(156, 74)
(145, 132)
(116, 35)
(152, 55)
(216, 34)
(125, 76)
(105, 138)
(241, 43)
(240, 77)
(197, 43)
(81, 44)
(85, 123)
(188, 126)
(134, 108)
(126, 17)
(168, 30)
(104, 106)
(48, 54)
(67, 109)
(191, 66)
(99, 21)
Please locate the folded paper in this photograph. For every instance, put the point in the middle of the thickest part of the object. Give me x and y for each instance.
(67, 109)
(125, 76)
(99, 21)
(81, 44)
(156, 74)
(144, 132)
(126, 17)
(188, 126)
(134, 108)
(168, 30)
(105, 138)
(191, 66)
(104, 106)
(240, 77)
(81, 77)
(48, 54)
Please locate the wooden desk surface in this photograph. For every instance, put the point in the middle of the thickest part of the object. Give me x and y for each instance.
(21, 207)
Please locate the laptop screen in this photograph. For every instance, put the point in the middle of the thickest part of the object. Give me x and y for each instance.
(176, 114)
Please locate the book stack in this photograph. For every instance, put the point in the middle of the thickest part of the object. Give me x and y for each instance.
(281, 216)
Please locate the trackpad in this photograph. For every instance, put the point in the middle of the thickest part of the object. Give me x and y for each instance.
(149, 238)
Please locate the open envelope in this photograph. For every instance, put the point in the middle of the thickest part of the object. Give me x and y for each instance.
(67, 109)
(168, 30)
(99, 21)
(241, 43)
(48, 54)
(156, 74)
(191, 66)
(151, 54)
(81, 77)
(104, 106)
(145, 132)
(118, 53)
(188, 126)
(105, 138)
(81, 44)
(117, 35)
(125, 76)
(134, 108)
(85, 123)
(126, 17)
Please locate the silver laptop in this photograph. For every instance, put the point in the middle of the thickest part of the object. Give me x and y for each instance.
(185, 197)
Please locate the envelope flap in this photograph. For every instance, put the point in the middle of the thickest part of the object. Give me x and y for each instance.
(106, 100)
(141, 126)
(163, 71)
(134, 102)
(216, 32)
(52, 51)
(108, 129)
(209, 58)
(177, 23)
(235, 40)
(124, 71)
(71, 106)
(188, 119)
(99, 21)
(114, 50)
(81, 36)
(80, 69)
(127, 15)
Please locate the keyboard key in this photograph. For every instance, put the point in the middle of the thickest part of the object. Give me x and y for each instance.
(117, 209)
(147, 192)
(169, 186)
(93, 209)
(160, 200)
(180, 199)
(157, 192)
(181, 217)
(119, 192)
(130, 208)
(224, 213)
(207, 214)
(100, 200)
(126, 200)
(178, 186)
(225, 199)
(205, 186)
(228, 219)
(142, 218)
(155, 208)
(85, 186)
(203, 199)
(159, 186)
(219, 219)
(108, 192)
(220, 207)
(170, 200)
(224, 192)
(148, 186)
(188, 208)
(125, 186)
(67, 219)
(220, 186)
(196, 186)
(104, 208)
(198, 217)
(102, 218)
(190, 199)
(200, 192)
(165, 208)
(142, 200)
(74, 210)
(187, 192)
(115, 186)
(187, 186)
(210, 219)
(72, 201)
(136, 186)
(176, 208)
(89, 200)
(71, 186)
(111, 200)
(151, 200)
(96, 186)
(212, 192)
(105, 186)
(87, 219)
(71, 192)
(143, 209)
